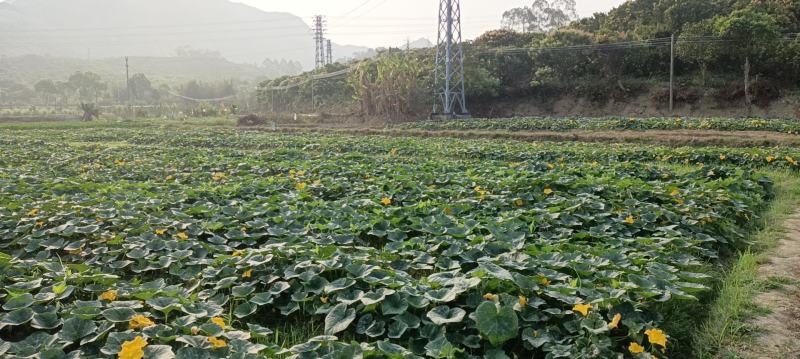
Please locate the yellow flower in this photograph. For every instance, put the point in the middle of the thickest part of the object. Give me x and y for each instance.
(675, 193)
(595, 164)
(630, 220)
(133, 349)
(139, 322)
(492, 297)
(519, 203)
(300, 186)
(110, 295)
(33, 212)
(247, 274)
(217, 343)
(770, 159)
(324, 300)
(218, 176)
(119, 162)
(548, 191)
(386, 201)
(170, 178)
(582, 308)
(161, 231)
(545, 282)
(448, 211)
(219, 322)
(523, 301)
(238, 253)
(393, 152)
(615, 321)
(791, 160)
(195, 330)
(635, 348)
(722, 157)
(656, 336)
(40, 224)
(551, 166)
(182, 236)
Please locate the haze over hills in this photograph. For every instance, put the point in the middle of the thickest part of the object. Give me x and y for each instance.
(155, 28)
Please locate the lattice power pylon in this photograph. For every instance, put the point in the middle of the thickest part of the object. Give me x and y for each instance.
(319, 38)
(449, 100)
(329, 52)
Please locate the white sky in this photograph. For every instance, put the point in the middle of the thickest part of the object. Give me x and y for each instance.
(377, 23)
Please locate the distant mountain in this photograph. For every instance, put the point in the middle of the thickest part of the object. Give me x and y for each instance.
(155, 28)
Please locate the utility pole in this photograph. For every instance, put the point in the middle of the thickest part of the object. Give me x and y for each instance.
(319, 38)
(449, 71)
(672, 74)
(329, 52)
(127, 81)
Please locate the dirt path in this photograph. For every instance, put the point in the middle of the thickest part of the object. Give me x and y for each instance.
(700, 138)
(778, 332)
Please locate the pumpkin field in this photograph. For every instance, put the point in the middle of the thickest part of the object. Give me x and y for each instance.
(177, 242)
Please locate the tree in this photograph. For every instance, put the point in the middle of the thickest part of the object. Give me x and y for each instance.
(698, 53)
(46, 89)
(89, 85)
(752, 32)
(541, 16)
(142, 90)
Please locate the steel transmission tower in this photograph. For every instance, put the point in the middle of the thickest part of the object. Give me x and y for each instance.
(319, 38)
(449, 98)
(329, 52)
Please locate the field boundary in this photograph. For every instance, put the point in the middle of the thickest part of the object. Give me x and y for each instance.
(674, 138)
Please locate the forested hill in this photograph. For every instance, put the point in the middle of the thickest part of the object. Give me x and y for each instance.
(544, 54)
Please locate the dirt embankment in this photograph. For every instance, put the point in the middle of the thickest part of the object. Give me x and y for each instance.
(638, 106)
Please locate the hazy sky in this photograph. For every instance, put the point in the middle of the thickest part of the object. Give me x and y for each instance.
(390, 22)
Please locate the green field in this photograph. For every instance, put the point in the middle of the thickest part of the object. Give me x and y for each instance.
(202, 242)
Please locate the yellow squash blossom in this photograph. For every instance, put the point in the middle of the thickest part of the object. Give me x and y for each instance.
(582, 308)
(217, 343)
(551, 166)
(238, 253)
(300, 186)
(722, 157)
(492, 297)
(182, 236)
(161, 231)
(770, 159)
(630, 220)
(139, 322)
(219, 322)
(323, 299)
(133, 349)
(119, 162)
(615, 321)
(656, 336)
(635, 348)
(218, 176)
(195, 330)
(791, 160)
(548, 191)
(519, 203)
(39, 224)
(110, 295)
(545, 282)
(675, 193)
(523, 301)
(170, 178)
(386, 201)
(393, 152)
(247, 274)
(33, 212)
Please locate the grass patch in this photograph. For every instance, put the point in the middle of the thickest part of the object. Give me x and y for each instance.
(726, 324)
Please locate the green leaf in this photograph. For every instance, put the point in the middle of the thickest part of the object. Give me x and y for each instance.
(338, 319)
(496, 322)
(20, 301)
(118, 315)
(76, 328)
(17, 317)
(46, 321)
(443, 315)
(158, 352)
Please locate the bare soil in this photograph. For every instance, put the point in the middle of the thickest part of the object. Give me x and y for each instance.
(778, 333)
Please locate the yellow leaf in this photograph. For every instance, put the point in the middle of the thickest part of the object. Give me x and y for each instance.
(635, 348)
(656, 336)
(615, 321)
(582, 308)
